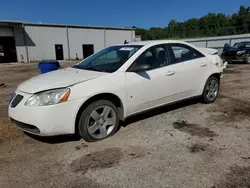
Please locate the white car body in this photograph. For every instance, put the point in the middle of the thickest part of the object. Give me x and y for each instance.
(136, 92)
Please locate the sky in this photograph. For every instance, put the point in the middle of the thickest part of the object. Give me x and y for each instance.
(117, 13)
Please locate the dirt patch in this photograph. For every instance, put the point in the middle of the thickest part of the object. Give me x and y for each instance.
(83, 145)
(194, 129)
(230, 109)
(246, 158)
(8, 131)
(25, 70)
(238, 177)
(231, 71)
(3, 111)
(135, 152)
(86, 183)
(2, 85)
(97, 160)
(106, 159)
(69, 182)
(195, 148)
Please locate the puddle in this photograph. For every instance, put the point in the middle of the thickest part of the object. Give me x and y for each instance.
(194, 129)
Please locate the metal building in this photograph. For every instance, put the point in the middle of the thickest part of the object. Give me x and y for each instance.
(25, 42)
(219, 41)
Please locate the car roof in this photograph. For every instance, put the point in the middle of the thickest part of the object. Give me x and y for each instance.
(242, 42)
(154, 42)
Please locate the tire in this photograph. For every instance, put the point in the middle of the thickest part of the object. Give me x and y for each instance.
(247, 60)
(99, 117)
(211, 90)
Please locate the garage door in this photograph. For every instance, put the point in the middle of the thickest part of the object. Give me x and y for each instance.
(6, 32)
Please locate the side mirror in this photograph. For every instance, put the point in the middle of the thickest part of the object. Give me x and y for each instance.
(141, 68)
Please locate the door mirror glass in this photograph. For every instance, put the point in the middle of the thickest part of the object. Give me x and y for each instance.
(141, 68)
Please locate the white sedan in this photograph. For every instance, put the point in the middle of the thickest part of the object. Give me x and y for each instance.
(91, 97)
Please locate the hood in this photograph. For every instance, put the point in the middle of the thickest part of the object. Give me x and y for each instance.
(58, 79)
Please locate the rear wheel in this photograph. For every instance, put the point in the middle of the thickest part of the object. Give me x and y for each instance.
(211, 90)
(98, 121)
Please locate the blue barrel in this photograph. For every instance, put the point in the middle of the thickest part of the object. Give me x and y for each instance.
(48, 66)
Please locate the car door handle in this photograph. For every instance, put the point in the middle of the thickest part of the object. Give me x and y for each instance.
(170, 73)
(203, 64)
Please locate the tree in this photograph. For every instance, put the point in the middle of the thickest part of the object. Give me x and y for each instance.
(172, 28)
(211, 24)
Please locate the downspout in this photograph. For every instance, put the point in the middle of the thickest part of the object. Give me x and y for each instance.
(25, 43)
(105, 43)
(67, 34)
(132, 40)
(14, 34)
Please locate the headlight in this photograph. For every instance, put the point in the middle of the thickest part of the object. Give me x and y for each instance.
(241, 52)
(47, 98)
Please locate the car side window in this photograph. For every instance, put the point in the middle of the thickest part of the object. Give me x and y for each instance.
(247, 45)
(241, 46)
(155, 56)
(182, 52)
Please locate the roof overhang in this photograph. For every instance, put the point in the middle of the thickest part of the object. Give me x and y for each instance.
(7, 23)
(13, 23)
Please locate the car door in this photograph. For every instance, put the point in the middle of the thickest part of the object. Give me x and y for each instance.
(191, 69)
(151, 88)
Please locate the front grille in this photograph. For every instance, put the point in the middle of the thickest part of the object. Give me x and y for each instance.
(16, 101)
(25, 126)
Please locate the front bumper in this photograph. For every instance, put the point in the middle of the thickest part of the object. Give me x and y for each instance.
(51, 120)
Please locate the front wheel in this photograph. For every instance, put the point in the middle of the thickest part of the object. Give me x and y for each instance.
(211, 90)
(247, 60)
(98, 121)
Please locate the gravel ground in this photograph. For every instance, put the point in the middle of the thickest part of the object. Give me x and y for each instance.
(184, 145)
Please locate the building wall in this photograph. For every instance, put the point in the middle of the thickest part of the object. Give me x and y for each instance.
(36, 42)
(20, 44)
(199, 43)
(118, 36)
(100, 38)
(218, 42)
(6, 32)
(80, 36)
(41, 42)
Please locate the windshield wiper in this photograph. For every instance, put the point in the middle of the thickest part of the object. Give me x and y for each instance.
(76, 66)
(94, 69)
(88, 68)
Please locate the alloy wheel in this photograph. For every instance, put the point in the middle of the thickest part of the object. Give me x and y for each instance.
(101, 122)
(212, 89)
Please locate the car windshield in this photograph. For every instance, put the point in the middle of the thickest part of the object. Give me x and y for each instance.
(238, 45)
(109, 59)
